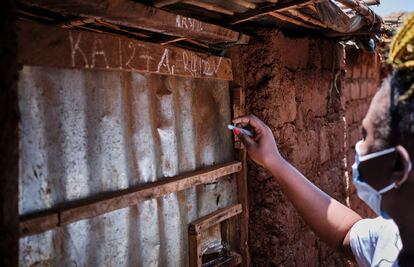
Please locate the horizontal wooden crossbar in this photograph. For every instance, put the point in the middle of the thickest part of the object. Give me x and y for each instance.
(89, 208)
(38, 223)
(214, 218)
(47, 46)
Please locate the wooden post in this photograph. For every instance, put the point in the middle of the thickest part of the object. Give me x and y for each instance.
(194, 249)
(9, 139)
(243, 199)
(238, 98)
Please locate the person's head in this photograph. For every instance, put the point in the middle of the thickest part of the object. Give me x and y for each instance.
(388, 128)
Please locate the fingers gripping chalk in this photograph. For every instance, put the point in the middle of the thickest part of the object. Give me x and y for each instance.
(238, 130)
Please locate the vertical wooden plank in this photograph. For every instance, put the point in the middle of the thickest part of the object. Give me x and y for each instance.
(225, 229)
(243, 199)
(194, 249)
(9, 140)
(229, 234)
(238, 100)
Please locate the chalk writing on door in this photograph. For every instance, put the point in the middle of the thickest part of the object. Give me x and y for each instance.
(106, 52)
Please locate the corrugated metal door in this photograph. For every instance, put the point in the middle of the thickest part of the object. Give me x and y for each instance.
(87, 132)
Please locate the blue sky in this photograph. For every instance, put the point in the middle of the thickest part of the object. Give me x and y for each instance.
(388, 6)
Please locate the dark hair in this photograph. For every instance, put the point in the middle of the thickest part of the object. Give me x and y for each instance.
(402, 111)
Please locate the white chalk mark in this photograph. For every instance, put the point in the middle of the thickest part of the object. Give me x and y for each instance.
(120, 53)
(188, 23)
(184, 23)
(194, 64)
(199, 64)
(97, 50)
(164, 62)
(192, 23)
(178, 65)
(218, 65)
(178, 21)
(185, 63)
(207, 69)
(128, 63)
(148, 60)
(74, 47)
(146, 56)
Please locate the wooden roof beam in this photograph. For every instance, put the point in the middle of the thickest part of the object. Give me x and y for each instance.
(163, 3)
(136, 15)
(307, 18)
(372, 2)
(244, 3)
(293, 21)
(208, 6)
(267, 9)
(362, 9)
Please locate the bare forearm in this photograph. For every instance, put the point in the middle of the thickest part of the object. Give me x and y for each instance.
(328, 218)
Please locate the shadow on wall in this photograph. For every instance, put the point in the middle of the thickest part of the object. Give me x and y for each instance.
(363, 77)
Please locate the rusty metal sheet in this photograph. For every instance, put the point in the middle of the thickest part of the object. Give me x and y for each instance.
(85, 132)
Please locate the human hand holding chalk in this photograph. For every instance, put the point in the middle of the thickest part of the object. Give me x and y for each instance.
(262, 146)
(241, 130)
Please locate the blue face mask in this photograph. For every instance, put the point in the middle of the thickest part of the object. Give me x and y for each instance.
(365, 192)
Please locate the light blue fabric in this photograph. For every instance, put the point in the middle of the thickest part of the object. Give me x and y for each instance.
(376, 242)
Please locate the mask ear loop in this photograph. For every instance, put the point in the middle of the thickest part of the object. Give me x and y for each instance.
(407, 165)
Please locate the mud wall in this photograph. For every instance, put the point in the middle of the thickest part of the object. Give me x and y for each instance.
(313, 93)
(295, 86)
(361, 81)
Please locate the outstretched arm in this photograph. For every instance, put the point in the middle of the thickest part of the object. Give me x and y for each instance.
(328, 218)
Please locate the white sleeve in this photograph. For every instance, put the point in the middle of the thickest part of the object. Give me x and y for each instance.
(375, 242)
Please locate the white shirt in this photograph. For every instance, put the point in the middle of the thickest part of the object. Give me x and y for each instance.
(376, 242)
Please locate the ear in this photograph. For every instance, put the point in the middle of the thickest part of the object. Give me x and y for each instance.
(405, 169)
